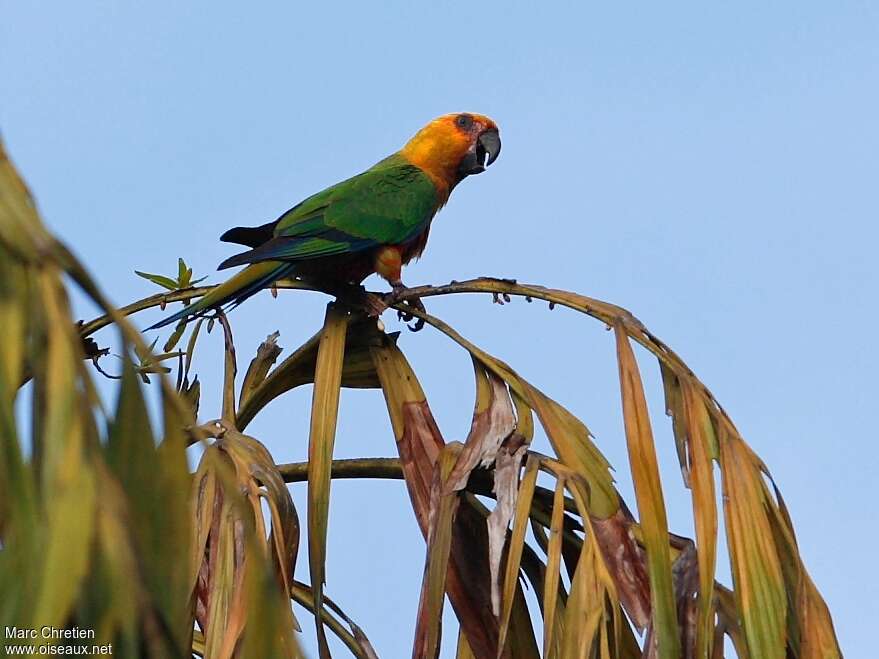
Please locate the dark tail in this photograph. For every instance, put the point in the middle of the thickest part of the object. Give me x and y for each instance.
(233, 291)
(250, 236)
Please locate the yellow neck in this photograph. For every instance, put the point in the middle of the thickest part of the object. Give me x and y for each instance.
(436, 155)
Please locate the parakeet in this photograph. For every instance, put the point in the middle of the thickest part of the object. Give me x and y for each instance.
(375, 222)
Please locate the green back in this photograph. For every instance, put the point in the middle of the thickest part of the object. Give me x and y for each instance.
(388, 204)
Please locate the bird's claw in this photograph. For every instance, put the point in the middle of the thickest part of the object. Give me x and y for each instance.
(405, 316)
(413, 302)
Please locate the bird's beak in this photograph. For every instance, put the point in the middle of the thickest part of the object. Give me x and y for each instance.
(483, 152)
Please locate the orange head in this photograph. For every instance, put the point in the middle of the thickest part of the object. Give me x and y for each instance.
(454, 146)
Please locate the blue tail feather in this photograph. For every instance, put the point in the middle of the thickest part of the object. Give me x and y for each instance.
(197, 310)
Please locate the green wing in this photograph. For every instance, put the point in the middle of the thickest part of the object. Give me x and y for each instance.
(389, 204)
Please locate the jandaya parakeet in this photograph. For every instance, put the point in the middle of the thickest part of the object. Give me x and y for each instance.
(376, 221)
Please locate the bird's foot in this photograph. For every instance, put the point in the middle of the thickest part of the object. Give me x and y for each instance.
(356, 298)
(405, 316)
(399, 292)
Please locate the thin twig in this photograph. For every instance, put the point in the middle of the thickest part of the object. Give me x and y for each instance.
(230, 370)
(481, 480)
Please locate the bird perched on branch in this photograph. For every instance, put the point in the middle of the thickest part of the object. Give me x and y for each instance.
(375, 222)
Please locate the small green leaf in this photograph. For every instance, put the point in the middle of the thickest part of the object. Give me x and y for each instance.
(175, 336)
(153, 368)
(165, 356)
(160, 280)
(190, 347)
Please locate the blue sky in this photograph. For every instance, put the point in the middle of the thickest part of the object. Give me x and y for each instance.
(712, 169)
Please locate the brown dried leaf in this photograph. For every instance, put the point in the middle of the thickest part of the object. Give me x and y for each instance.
(517, 540)
(444, 503)
(298, 369)
(324, 414)
(266, 356)
(674, 407)
(648, 492)
(704, 513)
(810, 632)
(508, 464)
(553, 625)
(230, 370)
(493, 422)
(626, 562)
(228, 561)
(419, 443)
(570, 438)
(685, 573)
(757, 573)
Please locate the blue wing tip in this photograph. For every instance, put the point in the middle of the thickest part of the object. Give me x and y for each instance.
(159, 325)
(173, 318)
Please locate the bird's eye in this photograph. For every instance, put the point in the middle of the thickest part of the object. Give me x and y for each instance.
(464, 121)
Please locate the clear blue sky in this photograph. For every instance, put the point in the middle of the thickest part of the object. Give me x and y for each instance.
(713, 169)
